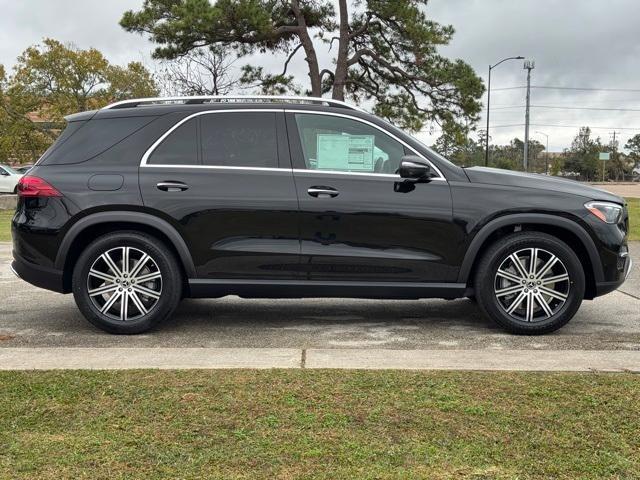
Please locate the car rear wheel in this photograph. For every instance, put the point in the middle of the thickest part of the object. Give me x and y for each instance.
(127, 282)
(530, 283)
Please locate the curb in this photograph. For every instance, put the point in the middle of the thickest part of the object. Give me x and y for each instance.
(369, 359)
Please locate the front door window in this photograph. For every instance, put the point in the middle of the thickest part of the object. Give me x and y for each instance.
(341, 144)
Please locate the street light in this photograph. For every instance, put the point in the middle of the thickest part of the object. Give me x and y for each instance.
(546, 153)
(491, 67)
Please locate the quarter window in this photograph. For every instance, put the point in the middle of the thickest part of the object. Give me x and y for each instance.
(337, 143)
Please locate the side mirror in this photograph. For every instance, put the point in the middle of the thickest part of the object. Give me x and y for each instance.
(414, 167)
(4, 173)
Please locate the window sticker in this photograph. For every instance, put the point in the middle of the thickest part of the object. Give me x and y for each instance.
(345, 152)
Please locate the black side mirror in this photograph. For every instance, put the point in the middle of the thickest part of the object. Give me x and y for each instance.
(414, 167)
(4, 173)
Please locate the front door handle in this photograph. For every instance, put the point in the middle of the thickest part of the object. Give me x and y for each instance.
(323, 192)
(172, 186)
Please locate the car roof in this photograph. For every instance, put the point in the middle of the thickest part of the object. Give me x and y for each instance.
(234, 99)
(163, 105)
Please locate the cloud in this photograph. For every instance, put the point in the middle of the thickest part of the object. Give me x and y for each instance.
(86, 23)
(575, 43)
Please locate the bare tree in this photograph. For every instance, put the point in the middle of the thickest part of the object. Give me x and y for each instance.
(203, 71)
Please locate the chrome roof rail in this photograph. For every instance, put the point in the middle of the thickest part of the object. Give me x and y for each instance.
(136, 102)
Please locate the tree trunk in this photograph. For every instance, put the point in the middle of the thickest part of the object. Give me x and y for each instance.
(340, 78)
(309, 50)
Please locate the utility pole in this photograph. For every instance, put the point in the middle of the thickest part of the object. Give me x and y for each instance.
(528, 66)
(614, 147)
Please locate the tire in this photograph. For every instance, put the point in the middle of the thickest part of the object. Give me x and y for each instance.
(146, 303)
(496, 292)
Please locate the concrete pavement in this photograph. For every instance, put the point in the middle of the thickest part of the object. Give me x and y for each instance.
(36, 325)
(628, 190)
(54, 358)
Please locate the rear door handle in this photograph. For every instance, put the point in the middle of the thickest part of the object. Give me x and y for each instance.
(323, 192)
(172, 186)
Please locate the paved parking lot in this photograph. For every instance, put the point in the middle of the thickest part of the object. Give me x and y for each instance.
(30, 317)
(628, 190)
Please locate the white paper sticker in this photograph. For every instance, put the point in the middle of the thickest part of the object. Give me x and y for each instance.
(345, 152)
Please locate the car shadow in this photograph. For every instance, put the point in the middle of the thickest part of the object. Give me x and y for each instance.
(233, 311)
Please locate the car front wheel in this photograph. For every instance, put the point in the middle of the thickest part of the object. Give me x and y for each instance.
(530, 283)
(126, 282)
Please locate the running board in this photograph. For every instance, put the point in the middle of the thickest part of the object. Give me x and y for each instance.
(205, 288)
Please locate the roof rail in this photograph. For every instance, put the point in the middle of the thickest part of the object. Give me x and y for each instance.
(227, 99)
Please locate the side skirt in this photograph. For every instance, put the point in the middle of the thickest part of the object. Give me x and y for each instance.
(205, 288)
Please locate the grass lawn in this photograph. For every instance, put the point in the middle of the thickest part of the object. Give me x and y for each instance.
(634, 218)
(318, 424)
(5, 225)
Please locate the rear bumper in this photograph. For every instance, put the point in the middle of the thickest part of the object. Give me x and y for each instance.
(37, 275)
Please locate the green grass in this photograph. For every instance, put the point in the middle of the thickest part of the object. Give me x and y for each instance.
(634, 218)
(5, 225)
(293, 424)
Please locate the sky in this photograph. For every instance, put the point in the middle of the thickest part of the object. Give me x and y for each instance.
(576, 44)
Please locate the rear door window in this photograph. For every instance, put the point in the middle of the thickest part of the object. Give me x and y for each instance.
(239, 139)
(180, 147)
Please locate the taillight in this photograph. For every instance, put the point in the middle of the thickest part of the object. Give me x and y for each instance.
(30, 186)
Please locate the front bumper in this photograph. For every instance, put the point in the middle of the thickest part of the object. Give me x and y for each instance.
(37, 275)
(602, 288)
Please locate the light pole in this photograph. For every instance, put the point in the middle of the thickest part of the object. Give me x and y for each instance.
(491, 67)
(546, 153)
(528, 66)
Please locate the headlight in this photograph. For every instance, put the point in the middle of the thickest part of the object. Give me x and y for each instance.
(606, 211)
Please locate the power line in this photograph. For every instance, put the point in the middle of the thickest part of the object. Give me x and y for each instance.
(589, 89)
(564, 126)
(560, 107)
(508, 88)
(507, 126)
(585, 89)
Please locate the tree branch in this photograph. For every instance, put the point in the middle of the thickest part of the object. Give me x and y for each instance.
(327, 72)
(286, 63)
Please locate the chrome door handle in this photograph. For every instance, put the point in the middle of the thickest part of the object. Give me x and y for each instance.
(172, 186)
(323, 192)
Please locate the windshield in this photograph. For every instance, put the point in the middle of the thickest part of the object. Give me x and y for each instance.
(431, 151)
(10, 170)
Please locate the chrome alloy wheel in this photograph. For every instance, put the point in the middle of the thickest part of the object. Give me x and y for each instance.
(532, 285)
(124, 283)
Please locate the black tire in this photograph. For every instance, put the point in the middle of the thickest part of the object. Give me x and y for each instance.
(163, 262)
(487, 291)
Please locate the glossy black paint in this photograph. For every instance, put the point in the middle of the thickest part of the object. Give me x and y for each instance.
(373, 230)
(230, 233)
(261, 233)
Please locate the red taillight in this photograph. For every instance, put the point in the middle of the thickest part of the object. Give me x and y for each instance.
(30, 186)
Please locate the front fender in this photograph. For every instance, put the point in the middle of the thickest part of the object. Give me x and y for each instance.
(529, 218)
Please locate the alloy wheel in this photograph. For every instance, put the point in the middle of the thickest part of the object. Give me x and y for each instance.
(531, 285)
(124, 283)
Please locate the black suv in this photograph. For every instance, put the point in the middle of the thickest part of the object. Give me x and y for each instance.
(144, 202)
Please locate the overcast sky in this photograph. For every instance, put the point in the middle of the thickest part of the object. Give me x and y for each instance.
(575, 43)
